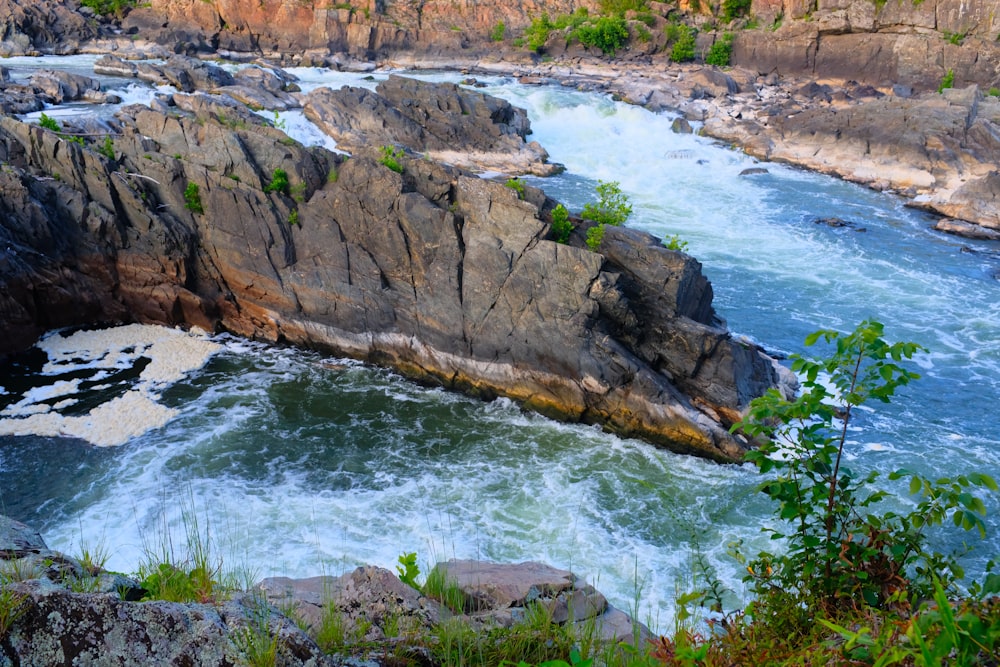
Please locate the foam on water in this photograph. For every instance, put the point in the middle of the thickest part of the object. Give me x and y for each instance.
(330, 464)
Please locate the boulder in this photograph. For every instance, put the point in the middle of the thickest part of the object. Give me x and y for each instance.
(443, 120)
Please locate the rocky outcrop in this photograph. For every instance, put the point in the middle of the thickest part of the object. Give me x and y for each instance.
(946, 162)
(442, 120)
(58, 611)
(43, 26)
(377, 609)
(222, 221)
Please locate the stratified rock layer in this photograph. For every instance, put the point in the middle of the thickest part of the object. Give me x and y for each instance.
(447, 277)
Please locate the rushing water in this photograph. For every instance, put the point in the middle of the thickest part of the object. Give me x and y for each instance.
(299, 464)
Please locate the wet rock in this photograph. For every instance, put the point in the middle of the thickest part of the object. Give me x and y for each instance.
(753, 171)
(966, 229)
(838, 223)
(681, 126)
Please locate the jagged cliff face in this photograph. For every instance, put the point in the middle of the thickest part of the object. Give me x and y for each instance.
(442, 275)
(360, 27)
(901, 41)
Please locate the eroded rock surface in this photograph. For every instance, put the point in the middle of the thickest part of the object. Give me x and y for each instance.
(444, 276)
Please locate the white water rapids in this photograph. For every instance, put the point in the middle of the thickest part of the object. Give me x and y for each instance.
(300, 465)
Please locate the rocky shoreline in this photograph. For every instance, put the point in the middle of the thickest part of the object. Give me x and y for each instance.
(60, 610)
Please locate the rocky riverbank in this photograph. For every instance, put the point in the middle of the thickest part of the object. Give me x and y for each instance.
(57, 610)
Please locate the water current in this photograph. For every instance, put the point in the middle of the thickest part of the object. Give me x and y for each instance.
(298, 464)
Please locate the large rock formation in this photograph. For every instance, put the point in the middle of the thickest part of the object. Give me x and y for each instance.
(59, 611)
(220, 220)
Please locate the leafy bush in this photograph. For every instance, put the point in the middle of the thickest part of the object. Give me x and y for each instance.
(683, 47)
(279, 182)
(608, 34)
(612, 207)
(116, 8)
(192, 198)
(107, 148)
(595, 235)
(391, 157)
(561, 226)
(721, 51)
(498, 32)
(517, 186)
(733, 9)
(994, 91)
(948, 81)
(841, 552)
(675, 243)
(408, 570)
(49, 123)
(619, 7)
(538, 32)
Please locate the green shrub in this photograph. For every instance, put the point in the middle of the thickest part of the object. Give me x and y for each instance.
(498, 32)
(619, 7)
(674, 242)
(994, 91)
(538, 32)
(192, 198)
(608, 33)
(279, 182)
(948, 81)
(391, 157)
(842, 548)
(517, 186)
(561, 226)
(116, 8)
(733, 9)
(721, 51)
(646, 18)
(683, 48)
(612, 207)
(49, 123)
(107, 148)
(293, 217)
(595, 235)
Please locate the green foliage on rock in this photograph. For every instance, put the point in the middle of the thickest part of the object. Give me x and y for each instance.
(408, 570)
(619, 7)
(680, 37)
(279, 182)
(49, 123)
(192, 198)
(107, 148)
(498, 32)
(517, 186)
(721, 51)
(116, 8)
(391, 157)
(595, 235)
(608, 33)
(538, 32)
(612, 207)
(561, 226)
(734, 9)
(948, 81)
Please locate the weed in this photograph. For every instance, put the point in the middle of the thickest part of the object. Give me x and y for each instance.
(391, 157)
(92, 559)
(293, 217)
(116, 8)
(517, 186)
(994, 91)
(683, 48)
(733, 9)
(561, 226)
(49, 123)
(955, 38)
(498, 32)
(107, 148)
(408, 570)
(257, 642)
(298, 192)
(76, 140)
(10, 609)
(444, 590)
(192, 198)
(948, 81)
(20, 569)
(595, 235)
(674, 242)
(332, 176)
(279, 182)
(721, 51)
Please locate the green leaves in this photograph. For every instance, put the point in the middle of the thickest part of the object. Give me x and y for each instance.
(842, 545)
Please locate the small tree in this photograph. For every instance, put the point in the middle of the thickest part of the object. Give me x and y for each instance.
(612, 207)
(842, 547)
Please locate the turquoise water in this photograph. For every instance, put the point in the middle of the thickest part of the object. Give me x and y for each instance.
(299, 464)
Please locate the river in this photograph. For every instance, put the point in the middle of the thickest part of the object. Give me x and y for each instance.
(298, 465)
